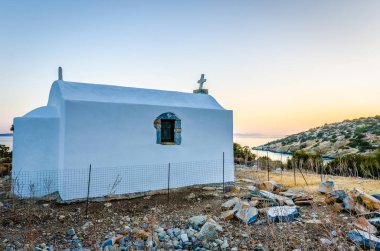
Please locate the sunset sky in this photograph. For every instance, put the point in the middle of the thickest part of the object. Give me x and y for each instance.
(281, 66)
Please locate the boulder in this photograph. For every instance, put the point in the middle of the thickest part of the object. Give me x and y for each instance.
(209, 188)
(326, 242)
(326, 186)
(349, 203)
(375, 221)
(282, 213)
(230, 203)
(363, 224)
(364, 239)
(184, 237)
(272, 186)
(143, 235)
(338, 207)
(365, 199)
(197, 221)
(241, 205)
(228, 215)
(252, 188)
(210, 230)
(361, 209)
(377, 196)
(335, 196)
(254, 202)
(248, 215)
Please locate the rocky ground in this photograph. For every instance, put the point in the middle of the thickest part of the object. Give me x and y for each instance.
(154, 223)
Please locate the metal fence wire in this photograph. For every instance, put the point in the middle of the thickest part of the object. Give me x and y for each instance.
(95, 181)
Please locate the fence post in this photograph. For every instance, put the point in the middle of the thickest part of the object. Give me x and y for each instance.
(268, 165)
(168, 183)
(223, 174)
(88, 190)
(294, 173)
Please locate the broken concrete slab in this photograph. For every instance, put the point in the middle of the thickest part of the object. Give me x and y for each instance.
(364, 239)
(230, 203)
(281, 199)
(303, 202)
(296, 196)
(282, 213)
(326, 186)
(248, 215)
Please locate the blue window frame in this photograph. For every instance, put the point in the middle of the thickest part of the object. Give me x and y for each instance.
(168, 129)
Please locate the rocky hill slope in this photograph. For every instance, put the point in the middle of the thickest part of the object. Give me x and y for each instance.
(350, 136)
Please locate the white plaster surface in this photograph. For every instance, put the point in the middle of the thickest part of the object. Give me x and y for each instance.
(111, 128)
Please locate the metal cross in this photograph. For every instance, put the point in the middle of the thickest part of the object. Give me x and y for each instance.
(201, 81)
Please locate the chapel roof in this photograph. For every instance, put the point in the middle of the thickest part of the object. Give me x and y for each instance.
(129, 95)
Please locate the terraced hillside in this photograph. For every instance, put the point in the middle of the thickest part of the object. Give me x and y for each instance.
(350, 136)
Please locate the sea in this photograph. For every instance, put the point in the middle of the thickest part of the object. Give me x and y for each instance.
(7, 141)
(254, 141)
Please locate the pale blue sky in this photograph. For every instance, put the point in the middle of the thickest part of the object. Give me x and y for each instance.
(282, 66)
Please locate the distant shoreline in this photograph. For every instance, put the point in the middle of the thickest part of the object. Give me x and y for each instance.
(259, 148)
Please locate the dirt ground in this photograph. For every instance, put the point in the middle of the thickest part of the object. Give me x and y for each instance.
(31, 222)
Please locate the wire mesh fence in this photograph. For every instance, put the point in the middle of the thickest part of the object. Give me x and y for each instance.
(95, 181)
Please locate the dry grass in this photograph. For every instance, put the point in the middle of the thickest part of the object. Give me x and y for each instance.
(287, 178)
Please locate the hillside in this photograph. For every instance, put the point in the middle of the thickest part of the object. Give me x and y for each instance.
(350, 136)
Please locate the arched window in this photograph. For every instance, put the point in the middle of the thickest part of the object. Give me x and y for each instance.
(168, 129)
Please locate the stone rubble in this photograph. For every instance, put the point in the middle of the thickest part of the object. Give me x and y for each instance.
(365, 206)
